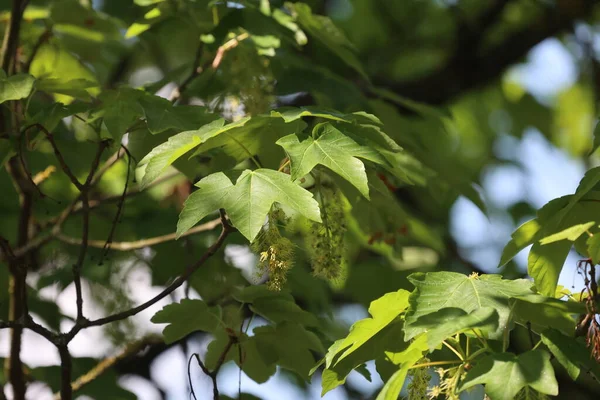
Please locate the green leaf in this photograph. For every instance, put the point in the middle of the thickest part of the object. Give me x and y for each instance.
(546, 312)
(331, 149)
(289, 345)
(593, 244)
(437, 290)
(572, 233)
(15, 87)
(383, 311)
(545, 263)
(6, 151)
(53, 61)
(252, 362)
(505, 374)
(212, 194)
(290, 114)
(50, 117)
(406, 358)
(450, 321)
(121, 110)
(161, 115)
(391, 389)
(570, 353)
(248, 202)
(326, 32)
(256, 138)
(251, 293)
(275, 306)
(75, 87)
(155, 162)
(522, 237)
(280, 309)
(596, 138)
(384, 340)
(186, 317)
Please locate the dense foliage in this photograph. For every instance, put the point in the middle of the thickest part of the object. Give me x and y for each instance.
(324, 143)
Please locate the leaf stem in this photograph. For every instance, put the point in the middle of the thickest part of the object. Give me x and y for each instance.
(453, 350)
(434, 363)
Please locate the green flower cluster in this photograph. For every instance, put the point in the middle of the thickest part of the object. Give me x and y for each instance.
(276, 252)
(417, 388)
(326, 240)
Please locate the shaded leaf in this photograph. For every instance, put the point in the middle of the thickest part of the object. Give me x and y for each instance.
(155, 162)
(252, 362)
(546, 312)
(505, 374)
(450, 321)
(593, 245)
(570, 353)
(325, 31)
(289, 345)
(186, 317)
(436, 290)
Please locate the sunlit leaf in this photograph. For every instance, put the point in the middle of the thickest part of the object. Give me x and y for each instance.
(572, 233)
(15, 87)
(248, 201)
(383, 311)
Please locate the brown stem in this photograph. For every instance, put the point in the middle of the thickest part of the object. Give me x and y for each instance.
(17, 285)
(66, 392)
(227, 229)
(212, 374)
(109, 362)
(43, 38)
(77, 207)
(140, 244)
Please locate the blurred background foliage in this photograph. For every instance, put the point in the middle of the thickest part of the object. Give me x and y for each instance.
(450, 79)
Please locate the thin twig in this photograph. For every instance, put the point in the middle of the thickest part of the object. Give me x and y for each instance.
(227, 229)
(74, 208)
(63, 164)
(214, 64)
(212, 374)
(140, 244)
(85, 230)
(107, 363)
(43, 38)
(196, 70)
(120, 205)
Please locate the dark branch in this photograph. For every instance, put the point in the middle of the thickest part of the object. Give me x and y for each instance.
(483, 66)
(227, 229)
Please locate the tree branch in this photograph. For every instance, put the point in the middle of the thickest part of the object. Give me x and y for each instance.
(140, 244)
(104, 365)
(227, 229)
(457, 76)
(213, 64)
(66, 392)
(212, 374)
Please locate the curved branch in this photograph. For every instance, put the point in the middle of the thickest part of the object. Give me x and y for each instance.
(140, 244)
(227, 229)
(482, 67)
